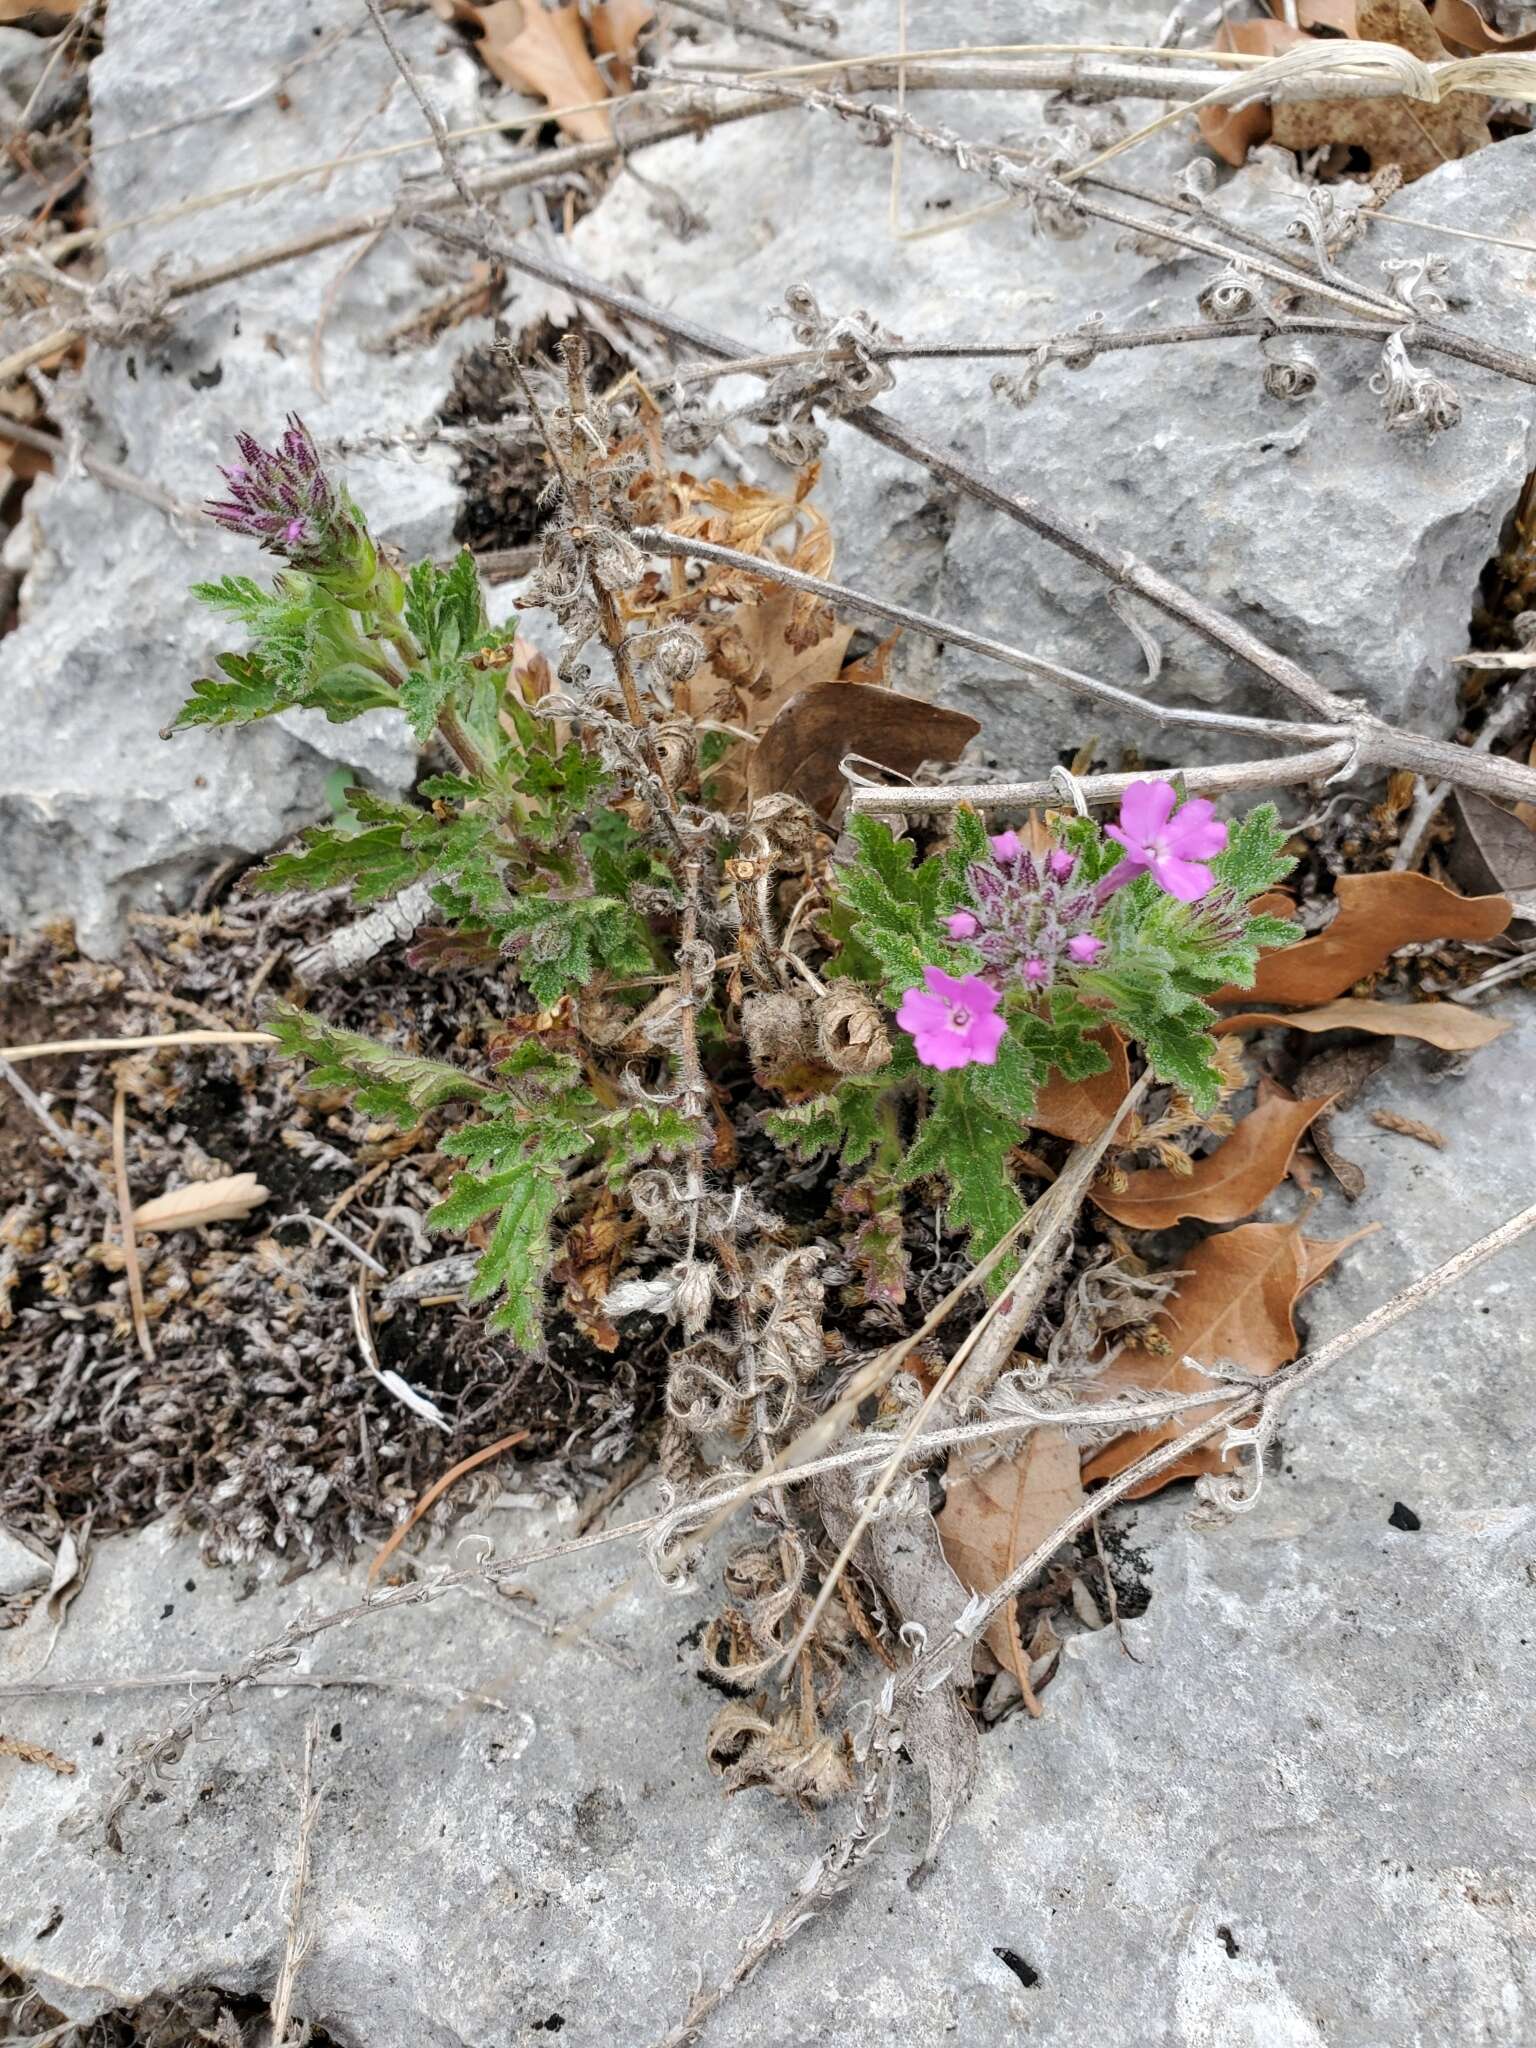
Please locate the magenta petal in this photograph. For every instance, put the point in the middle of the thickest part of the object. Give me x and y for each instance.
(1197, 832)
(944, 1050)
(922, 1012)
(960, 924)
(986, 1035)
(1184, 879)
(1146, 808)
(1006, 846)
(1134, 847)
(952, 988)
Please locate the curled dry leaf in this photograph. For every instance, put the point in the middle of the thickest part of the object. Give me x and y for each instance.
(1079, 1110)
(1449, 1026)
(996, 1513)
(230, 1199)
(1234, 1303)
(1377, 914)
(1415, 135)
(540, 50)
(803, 747)
(1226, 1184)
(1495, 848)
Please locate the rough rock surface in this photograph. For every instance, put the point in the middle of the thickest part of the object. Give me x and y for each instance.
(95, 813)
(1354, 550)
(1303, 1819)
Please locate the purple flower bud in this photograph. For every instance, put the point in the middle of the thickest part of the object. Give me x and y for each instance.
(1006, 847)
(1061, 863)
(1085, 948)
(1036, 972)
(283, 498)
(962, 925)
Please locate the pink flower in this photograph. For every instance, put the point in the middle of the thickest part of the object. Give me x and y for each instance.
(1085, 949)
(961, 925)
(1006, 847)
(955, 1021)
(1169, 845)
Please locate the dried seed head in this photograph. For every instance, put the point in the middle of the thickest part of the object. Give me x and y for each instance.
(694, 1281)
(677, 752)
(784, 822)
(850, 1031)
(778, 1027)
(1232, 295)
(676, 652)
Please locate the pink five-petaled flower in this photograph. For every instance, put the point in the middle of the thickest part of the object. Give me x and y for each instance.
(954, 1021)
(1169, 845)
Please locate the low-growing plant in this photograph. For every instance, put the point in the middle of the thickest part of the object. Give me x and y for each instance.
(995, 958)
(694, 971)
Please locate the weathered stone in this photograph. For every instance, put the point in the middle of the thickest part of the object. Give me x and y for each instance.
(1354, 550)
(95, 812)
(1303, 1817)
(21, 1567)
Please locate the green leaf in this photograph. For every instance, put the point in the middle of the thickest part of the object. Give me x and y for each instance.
(516, 1155)
(845, 1122)
(646, 1131)
(966, 1143)
(1179, 1051)
(383, 1082)
(1254, 859)
(444, 608)
(896, 905)
(246, 690)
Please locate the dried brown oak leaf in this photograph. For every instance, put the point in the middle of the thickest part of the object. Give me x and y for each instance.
(1413, 134)
(1079, 1110)
(1226, 1184)
(540, 50)
(802, 751)
(1234, 1303)
(1449, 1026)
(1376, 915)
(1495, 848)
(994, 1514)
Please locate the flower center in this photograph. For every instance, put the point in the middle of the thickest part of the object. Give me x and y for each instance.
(959, 1019)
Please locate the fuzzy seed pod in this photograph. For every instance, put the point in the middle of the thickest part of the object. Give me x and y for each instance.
(777, 1026)
(784, 821)
(850, 1031)
(677, 752)
(676, 652)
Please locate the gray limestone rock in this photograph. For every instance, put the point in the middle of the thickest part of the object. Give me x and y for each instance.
(1302, 1819)
(1354, 550)
(96, 813)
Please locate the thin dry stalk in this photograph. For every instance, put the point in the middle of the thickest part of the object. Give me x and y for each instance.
(125, 1220)
(55, 1048)
(298, 1941)
(436, 1491)
(990, 1343)
(1374, 743)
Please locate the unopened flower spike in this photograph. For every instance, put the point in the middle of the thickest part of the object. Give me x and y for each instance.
(1029, 916)
(283, 498)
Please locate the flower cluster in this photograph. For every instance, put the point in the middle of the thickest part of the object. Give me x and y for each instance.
(1031, 919)
(283, 498)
